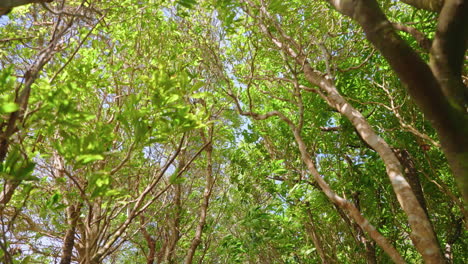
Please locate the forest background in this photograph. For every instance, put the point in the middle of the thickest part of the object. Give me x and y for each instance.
(233, 131)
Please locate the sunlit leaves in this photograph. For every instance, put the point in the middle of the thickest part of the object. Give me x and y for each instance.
(7, 82)
(8, 107)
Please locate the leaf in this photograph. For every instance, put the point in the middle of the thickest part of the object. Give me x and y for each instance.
(87, 158)
(102, 181)
(197, 86)
(54, 199)
(187, 3)
(9, 107)
(24, 173)
(201, 95)
(174, 179)
(172, 98)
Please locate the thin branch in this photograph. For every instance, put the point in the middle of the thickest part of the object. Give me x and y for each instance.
(360, 64)
(424, 42)
(76, 50)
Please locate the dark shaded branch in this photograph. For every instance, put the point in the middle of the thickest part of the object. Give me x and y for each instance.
(448, 50)
(429, 5)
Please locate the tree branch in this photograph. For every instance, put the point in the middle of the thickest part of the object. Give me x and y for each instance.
(429, 5)
(448, 50)
(424, 42)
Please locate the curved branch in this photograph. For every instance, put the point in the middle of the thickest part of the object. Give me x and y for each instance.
(429, 5)
(448, 50)
(15, 3)
(424, 42)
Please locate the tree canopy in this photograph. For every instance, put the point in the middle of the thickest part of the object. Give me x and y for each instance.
(233, 131)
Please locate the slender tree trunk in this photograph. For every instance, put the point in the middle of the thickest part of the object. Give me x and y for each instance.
(15, 3)
(453, 237)
(205, 202)
(412, 176)
(346, 205)
(7, 192)
(90, 239)
(311, 228)
(162, 250)
(151, 257)
(174, 226)
(370, 252)
(360, 235)
(73, 212)
(174, 232)
(422, 234)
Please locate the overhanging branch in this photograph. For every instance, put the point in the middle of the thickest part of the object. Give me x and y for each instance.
(429, 5)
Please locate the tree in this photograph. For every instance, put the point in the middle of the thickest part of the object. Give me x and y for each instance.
(437, 87)
(232, 132)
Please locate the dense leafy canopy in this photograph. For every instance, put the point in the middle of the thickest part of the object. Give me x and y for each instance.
(233, 131)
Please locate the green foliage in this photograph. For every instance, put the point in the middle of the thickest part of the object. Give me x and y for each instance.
(154, 81)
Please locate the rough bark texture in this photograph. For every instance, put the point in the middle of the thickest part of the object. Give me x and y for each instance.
(69, 239)
(412, 176)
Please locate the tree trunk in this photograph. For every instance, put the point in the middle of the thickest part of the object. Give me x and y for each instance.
(174, 232)
(73, 212)
(422, 234)
(360, 235)
(310, 227)
(346, 205)
(206, 200)
(412, 176)
(151, 256)
(437, 89)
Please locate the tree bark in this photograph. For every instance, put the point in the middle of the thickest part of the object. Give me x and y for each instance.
(205, 202)
(412, 176)
(368, 245)
(424, 88)
(7, 5)
(73, 212)
(174, 233)
(430, 5)
(422, 234)
(151, 257)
